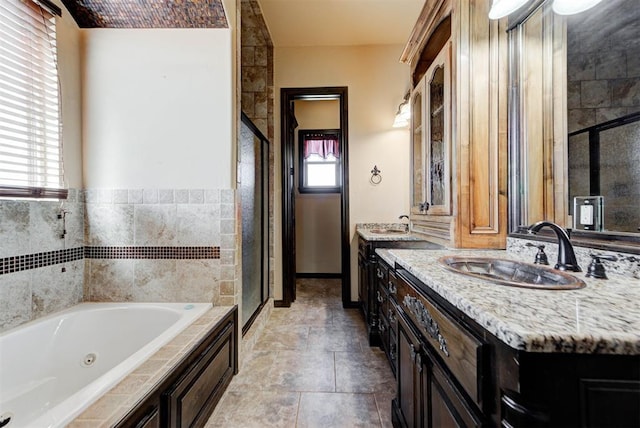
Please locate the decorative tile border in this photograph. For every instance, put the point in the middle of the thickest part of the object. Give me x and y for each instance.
(127, 252)
(38, 260)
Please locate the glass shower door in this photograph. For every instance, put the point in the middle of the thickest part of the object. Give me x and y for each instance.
(253, 189)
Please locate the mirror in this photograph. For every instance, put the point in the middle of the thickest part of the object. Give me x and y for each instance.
(574, 115)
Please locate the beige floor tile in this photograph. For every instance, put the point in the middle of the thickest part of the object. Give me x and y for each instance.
(302, 371)
(327, 290)
(311, 366)
(276, 337)
(259, 409)
(322, 410)
(383, 401)
(351, 317)
(254, 370)
(367, 371)
(336, 338)
(302, 314)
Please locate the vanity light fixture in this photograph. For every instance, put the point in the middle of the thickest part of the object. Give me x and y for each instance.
(403, 115)
(502, 8)
(571, 7)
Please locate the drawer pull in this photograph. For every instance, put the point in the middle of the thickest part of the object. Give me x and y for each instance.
(419, 363)
(412, 353)
(392, 288)
(379, 273)
(380, 299)
(382, 328)
(391, 316)
(424, 317)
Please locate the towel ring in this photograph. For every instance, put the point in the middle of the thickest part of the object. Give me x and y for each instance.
(376, 178)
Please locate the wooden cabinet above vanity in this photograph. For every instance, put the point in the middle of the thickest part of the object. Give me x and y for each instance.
(458, 63)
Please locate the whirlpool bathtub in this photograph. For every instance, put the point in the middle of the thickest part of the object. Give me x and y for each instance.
(53, 368)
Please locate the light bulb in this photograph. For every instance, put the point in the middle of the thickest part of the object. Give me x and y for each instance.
(502, 8)
(571, 7)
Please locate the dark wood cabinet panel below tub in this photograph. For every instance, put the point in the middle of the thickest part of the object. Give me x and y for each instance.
(187, 396)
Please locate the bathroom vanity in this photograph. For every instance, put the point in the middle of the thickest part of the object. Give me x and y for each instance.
(469, 352)
(370, 238)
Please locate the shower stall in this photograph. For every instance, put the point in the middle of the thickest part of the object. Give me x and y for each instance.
(253, 189)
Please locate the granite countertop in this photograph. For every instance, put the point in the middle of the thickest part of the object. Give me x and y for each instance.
(370, 236)
(601, 318)
(374, 232)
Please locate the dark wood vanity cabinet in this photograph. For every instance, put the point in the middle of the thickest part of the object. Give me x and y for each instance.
(369, 276)
(187, 396)
(430, 390)
(453, 373)
(387, 315)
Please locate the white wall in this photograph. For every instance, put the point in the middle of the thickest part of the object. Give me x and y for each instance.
(318, 222)
(157, 108)
(69, 71)
(377, 83)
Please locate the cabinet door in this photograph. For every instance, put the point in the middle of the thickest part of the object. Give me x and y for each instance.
(437, 130)
(448, 407)
(408, 393)
(192, 398)
(363, 280)
(417, 150)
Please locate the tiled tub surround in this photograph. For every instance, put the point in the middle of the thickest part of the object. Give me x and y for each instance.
(32, 283)
(118, 401)
(120, 245)
(602, 318)
(168, 218)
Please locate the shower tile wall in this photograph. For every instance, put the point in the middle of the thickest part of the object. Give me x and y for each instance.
(172, 218)
(29, 228)
(257, 99)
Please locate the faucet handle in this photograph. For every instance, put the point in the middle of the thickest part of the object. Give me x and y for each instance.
(541, 256)
(596, 268)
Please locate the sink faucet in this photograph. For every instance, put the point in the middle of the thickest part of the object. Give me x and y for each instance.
(566, 256)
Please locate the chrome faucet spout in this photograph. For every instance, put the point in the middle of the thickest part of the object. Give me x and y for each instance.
(566, 255)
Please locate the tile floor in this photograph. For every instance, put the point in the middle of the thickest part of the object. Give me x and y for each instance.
(311, 367)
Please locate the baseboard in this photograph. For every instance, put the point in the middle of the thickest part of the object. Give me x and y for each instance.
(319, 275)
(281, 304)
(351, 305)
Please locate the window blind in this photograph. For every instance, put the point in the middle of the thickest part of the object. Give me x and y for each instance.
(30, 140)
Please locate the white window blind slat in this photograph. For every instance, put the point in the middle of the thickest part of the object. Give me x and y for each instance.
(30, 142)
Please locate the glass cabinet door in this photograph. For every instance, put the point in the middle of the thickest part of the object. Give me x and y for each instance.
(437, 135)
(417, 150)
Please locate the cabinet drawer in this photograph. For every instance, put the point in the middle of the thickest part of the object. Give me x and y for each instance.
(381, 273)
(459, 350)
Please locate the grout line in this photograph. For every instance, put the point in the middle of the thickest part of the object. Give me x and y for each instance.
(298, 409)
(335, 373)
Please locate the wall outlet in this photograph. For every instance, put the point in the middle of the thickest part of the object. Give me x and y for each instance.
(586, 214)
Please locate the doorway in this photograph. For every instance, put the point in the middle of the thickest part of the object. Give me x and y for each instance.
(289, 128)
